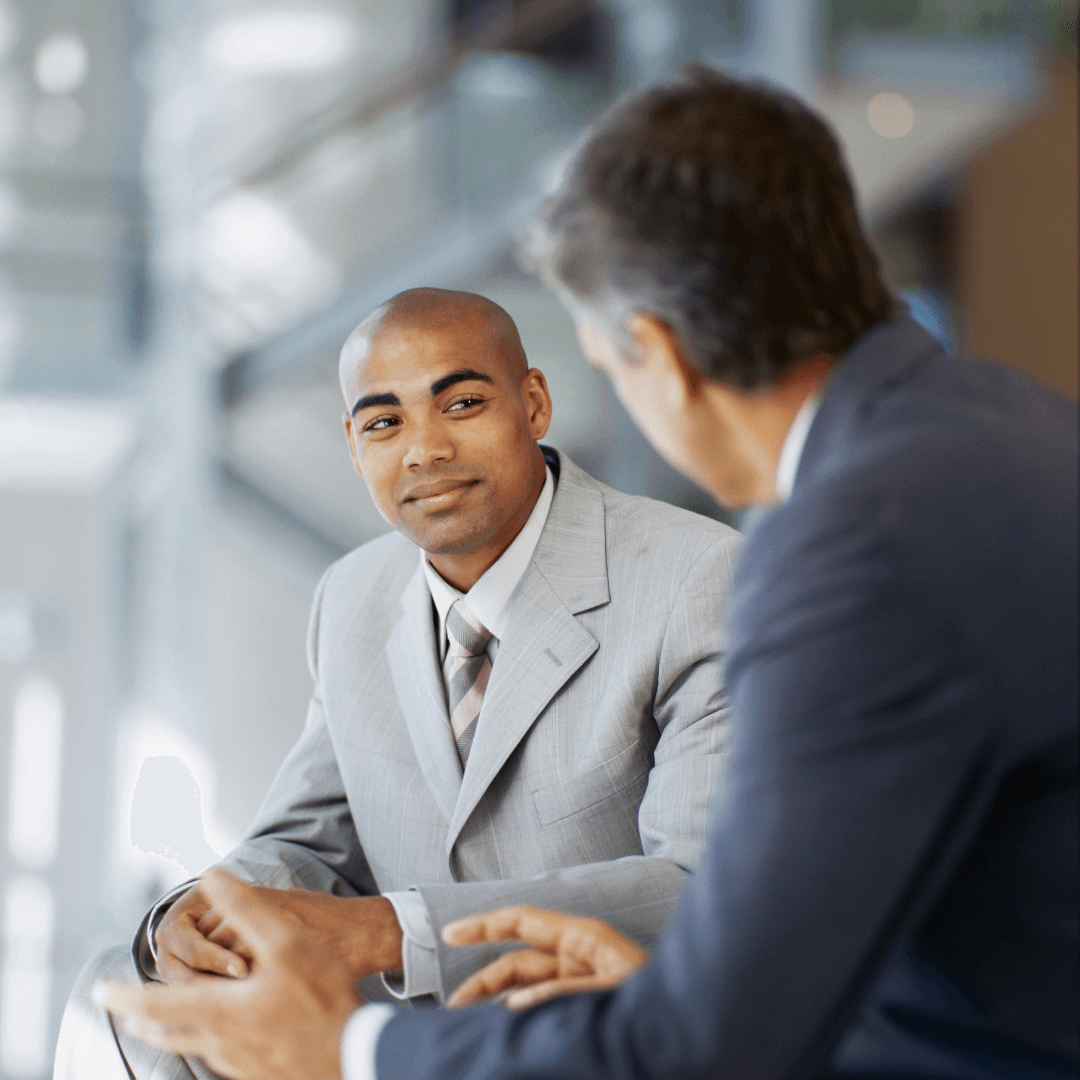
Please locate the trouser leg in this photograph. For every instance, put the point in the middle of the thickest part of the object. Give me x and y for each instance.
(94, 1046)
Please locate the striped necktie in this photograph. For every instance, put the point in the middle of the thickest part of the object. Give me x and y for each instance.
(470, 667)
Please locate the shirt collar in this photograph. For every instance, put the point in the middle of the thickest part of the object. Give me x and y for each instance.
(791, 452)
(489, 599)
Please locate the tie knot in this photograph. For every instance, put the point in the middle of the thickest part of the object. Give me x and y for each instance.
(467, 635)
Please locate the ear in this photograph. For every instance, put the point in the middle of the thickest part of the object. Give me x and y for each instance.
(537, 398)
(659, 348)
(349, 439)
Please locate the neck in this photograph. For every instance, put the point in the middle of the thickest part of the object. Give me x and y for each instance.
(761, 420)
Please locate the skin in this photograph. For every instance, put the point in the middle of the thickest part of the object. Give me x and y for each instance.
(728, 441)
(294, 976)
(569, 955)
(194, 936)
(443, 417)
(456, 468)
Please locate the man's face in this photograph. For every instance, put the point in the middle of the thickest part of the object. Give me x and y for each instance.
(707, 446)
(443, 425)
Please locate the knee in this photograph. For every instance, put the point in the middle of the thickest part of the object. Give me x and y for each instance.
(111, 965)
(86, 1048)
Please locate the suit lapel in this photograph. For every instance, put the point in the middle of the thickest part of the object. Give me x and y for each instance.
(544, 643)
(413, 658)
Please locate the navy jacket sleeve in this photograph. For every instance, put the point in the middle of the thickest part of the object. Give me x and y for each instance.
(869, 745)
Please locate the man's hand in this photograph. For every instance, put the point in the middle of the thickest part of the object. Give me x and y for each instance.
(282, 1022)
(183, 950)
(363, 930)
(195, 936)
(569, 956)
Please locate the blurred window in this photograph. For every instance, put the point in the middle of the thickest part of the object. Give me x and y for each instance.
(25, 977)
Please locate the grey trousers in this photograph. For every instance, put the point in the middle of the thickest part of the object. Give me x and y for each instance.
(94, 1046)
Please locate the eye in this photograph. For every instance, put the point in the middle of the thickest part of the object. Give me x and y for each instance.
(465, 402)
(381, 423)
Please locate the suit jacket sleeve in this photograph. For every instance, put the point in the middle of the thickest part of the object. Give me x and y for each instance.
(862, 760)
(637, 893)
(303, 835)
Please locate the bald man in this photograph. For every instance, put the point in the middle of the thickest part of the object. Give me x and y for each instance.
(518, 693)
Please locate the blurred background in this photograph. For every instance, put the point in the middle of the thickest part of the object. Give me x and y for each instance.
(198, 200)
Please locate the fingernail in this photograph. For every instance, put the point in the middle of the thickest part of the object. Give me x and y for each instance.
(234, 971)
(99, 994)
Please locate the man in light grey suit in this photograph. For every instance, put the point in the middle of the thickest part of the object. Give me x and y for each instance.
(564, 756)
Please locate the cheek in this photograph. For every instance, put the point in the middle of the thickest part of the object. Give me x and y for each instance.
(664, 431)
(639, 398)
(378, 474)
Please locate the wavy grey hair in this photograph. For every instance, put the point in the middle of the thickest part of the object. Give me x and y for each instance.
(723, 208)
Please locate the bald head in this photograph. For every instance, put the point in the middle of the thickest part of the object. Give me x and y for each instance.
(443, 418)
(434, 311)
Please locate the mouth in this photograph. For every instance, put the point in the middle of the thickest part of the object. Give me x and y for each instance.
(437, 495)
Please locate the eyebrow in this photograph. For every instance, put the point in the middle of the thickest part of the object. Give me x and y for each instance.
(375, 399)
(437, 387)
(461, 375)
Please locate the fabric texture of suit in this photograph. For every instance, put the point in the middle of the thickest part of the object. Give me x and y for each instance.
(890, 884)
(596, 754)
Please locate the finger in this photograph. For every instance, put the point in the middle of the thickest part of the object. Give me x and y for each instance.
(209, 921)
(577, 941)
(517, 968)
(545, 991)
(222, 934)
(599, 947)
(195, 952)
(262, 925)
(523, 923)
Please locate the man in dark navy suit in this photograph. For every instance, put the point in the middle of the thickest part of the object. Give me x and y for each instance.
(890, 885)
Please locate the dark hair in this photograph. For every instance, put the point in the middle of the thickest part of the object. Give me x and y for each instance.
(723, 208)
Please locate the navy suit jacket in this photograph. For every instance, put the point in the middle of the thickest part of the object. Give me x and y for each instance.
(890, 884)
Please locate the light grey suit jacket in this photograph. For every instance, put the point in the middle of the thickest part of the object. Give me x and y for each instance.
(596, 755)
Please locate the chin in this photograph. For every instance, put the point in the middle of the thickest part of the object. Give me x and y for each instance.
(451, 538)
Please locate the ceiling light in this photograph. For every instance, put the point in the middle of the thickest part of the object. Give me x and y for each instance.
(281, 42)
(60, 64)
(891, 116)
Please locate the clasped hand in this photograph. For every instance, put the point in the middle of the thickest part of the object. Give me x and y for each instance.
(196, 936)
(284, 1019)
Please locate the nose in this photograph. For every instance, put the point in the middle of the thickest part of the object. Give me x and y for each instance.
(428, 446)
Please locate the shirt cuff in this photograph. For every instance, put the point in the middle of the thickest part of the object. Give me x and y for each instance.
(419, 955)
(360, 1040)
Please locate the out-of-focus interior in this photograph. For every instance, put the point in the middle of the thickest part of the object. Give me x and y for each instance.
(197, 203)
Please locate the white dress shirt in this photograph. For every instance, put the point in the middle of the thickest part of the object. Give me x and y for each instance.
(791, 452)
